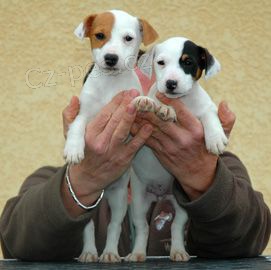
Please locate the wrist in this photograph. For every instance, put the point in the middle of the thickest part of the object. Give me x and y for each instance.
(77, 191)
(199, 176)
(83, 182)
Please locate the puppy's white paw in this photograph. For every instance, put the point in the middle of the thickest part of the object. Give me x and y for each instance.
(216, 142)
(166, 113)
(179, 255)
(144, 104)
(109, 257)
(74, 150)
(135, 257)
(87, 257)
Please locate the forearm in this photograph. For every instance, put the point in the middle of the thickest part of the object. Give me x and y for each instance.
(230, 219)
(36, 226)
(197, 176)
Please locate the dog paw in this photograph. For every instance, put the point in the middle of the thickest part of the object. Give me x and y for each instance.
(135, 257)
(87, 257)
(166, 113)
(216, 142)
(179, 256)
(144, 104)
(74, 151)
(109, 257)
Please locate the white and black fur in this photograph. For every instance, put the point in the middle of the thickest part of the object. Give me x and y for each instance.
(178, 64)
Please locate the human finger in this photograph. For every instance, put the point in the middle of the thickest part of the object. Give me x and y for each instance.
(171, 129)
(123, 129)
(102, 118)
(154, 144)
(138, 141)
(70, 112)
(116, 116)
(226, 117)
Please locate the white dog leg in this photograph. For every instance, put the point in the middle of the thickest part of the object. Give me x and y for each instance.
(139, 207)
(117, 200)
(177, 250)
(89, 252)
(75, 143)
(215, 138)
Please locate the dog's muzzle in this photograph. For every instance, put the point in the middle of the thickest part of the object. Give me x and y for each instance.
(171, 86)
(111, 59)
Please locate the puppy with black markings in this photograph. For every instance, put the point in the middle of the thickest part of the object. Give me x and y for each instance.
(115, 38)
(178, 64)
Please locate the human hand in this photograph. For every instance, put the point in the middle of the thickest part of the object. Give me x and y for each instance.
(180, 146)
(107, 153)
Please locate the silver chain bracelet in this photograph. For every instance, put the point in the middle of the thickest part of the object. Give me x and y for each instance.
(74, 196)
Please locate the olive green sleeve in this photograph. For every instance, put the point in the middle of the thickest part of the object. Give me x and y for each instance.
(35, 224)
(231, 219)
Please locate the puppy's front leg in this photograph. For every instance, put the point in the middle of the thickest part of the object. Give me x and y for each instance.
(145, 104)
(166, 113)
(75, 142)
(215, 138)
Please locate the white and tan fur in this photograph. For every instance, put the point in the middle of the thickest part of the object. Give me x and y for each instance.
(148, 173)
(107, 78)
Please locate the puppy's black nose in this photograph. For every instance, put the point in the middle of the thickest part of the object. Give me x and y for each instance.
(111, 59)
(171, 85)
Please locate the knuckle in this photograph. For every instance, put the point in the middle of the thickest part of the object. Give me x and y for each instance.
(118, 98)
(135, 144)
(99, 148)
(173, 151)
(198, 133)
(114, 120)
(121, 160)
(105, 116)
(187, 142)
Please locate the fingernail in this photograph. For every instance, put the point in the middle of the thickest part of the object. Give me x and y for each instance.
(225, 107)
(131, 109)
(133, 93)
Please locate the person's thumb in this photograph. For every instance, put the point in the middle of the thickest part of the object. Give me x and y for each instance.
(226, 117)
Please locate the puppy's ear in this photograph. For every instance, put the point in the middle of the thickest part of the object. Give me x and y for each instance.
(209, 63)
(149, 35)
(145, 62)
(83, 29)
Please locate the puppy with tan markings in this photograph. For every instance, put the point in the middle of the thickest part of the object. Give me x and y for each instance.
(178, 64)
(115, 38)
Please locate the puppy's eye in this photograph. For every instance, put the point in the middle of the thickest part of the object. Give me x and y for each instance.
(128, 38)
(100, 36)
(161, 63)
(188, 62)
